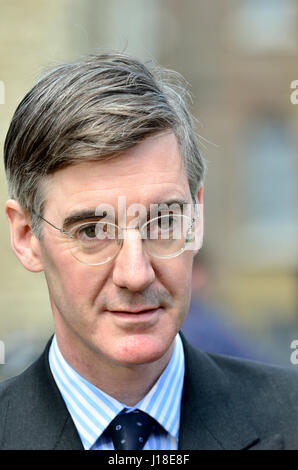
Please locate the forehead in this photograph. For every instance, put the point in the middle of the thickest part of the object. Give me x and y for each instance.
(149, 172)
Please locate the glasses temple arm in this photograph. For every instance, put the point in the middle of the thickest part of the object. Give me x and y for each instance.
(50, 223)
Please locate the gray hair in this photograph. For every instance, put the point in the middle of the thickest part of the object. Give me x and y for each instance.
(92, 110)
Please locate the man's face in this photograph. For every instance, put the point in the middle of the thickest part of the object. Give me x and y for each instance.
(86, 300)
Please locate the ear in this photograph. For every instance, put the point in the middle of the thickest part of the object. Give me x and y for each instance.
(197, 242)
(23, 242)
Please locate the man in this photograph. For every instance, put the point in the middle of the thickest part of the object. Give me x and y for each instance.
(117, 374)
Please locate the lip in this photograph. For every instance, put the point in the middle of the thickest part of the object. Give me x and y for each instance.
(141, 315)
(136, 311)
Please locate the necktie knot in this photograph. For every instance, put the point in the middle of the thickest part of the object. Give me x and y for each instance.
(130, 431)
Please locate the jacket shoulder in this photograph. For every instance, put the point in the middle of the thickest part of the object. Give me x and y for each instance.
(13, 390)
(254, 373)
(263, 395)
(33, 414)
(230, 368)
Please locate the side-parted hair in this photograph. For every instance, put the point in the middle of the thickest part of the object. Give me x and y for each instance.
(92, 110)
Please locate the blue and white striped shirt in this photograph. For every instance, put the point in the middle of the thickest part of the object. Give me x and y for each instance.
(92, 410)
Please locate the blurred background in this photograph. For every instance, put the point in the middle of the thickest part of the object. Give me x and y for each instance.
(240, 58)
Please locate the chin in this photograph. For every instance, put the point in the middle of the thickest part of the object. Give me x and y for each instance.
(141, 349)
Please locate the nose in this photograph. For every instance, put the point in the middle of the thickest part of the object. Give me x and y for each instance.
(132, 266)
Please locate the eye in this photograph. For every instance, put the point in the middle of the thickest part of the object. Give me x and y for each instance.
(86, 232)
(160, 226)
(165, 222)
(95, 232)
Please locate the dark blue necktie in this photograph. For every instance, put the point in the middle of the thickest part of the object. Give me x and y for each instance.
(130, 431)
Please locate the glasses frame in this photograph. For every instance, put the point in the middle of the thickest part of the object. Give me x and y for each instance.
(69, 234)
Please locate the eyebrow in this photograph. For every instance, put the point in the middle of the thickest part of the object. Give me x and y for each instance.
(79, 216)
(86, 214)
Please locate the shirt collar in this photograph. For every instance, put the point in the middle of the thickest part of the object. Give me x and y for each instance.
(92, 410)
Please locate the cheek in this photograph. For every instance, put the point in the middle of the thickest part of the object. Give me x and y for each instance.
(179, 273)
(82, 286)
(72, 284)
(175, 275)
(184, 284)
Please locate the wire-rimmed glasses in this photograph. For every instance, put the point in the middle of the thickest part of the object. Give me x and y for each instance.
(98, 242)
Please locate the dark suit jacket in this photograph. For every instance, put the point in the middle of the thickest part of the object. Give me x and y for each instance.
(227, 403)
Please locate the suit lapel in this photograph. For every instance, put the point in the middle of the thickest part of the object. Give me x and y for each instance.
(69, 438)
(64, 435)
(208, 418)
(41, 419)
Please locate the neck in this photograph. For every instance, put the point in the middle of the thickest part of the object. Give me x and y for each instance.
(127, 384)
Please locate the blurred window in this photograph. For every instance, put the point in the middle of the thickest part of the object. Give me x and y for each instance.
(268, 175)
(262, 26)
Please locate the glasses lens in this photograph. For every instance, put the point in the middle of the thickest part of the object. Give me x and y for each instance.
(167, 235)
(94, 243)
